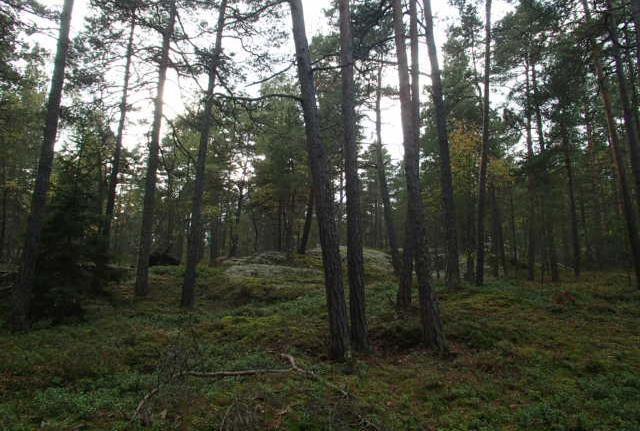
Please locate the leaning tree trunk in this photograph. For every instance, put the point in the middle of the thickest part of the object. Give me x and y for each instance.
(575, 238)
(627, 110)
(625, 193)
(194, 242)
(382, 181)
(432, 332)
(484, 152)
(325, 210)
(355, 259)
(453, 270)
(21, 292)
(142, 272)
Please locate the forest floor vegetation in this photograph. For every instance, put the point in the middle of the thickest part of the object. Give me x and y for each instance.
(523, 356)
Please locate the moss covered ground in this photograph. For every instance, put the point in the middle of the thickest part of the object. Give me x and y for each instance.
(524, 356)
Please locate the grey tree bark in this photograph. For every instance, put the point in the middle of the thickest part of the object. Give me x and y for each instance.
(432, 332)
(22, 289)
(382, 181)
(453, 269)
(325, 208)
(484, 152)
(355, 259)
(194, 241)
(142, 272)
(618, 160)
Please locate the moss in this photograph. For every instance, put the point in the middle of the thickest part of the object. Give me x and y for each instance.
(523, 356)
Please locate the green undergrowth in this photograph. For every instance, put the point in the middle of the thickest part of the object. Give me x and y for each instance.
(523, 356)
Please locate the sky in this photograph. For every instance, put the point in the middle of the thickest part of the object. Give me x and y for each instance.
(177, 93)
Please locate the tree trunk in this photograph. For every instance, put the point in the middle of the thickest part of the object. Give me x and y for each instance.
(484, 152)
(355, 259)
(453, 270)
(514, 237)
(194, 242)
(235, 233)
(21, 292)
(117, 153)
(382, 181)
(142, 273)
(595, 192)
(635, 14)
(575, 238)
(3, 217)
(432, 332)
(627, 109)
(547, 227)
(531, 185)
(325, 211)
(625, 194)
(306, 230)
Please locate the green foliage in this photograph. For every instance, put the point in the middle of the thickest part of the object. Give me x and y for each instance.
(521, 358)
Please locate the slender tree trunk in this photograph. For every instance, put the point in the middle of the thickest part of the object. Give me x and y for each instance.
(484, 152)
(627, 109)
(408, 256)
(142, 273)
(325, 211)
(235, 233)
(595, 193)
(625, 193)
(355, 257)
(21, 292)
(575, 238)
(549, 234)
(213, 242)
(531, 185)
(308, 219)
(433, 334)
(514, 237)
(194, 242)
(453, 270)
(117, 153)
(3, 217)
(635, 14)
(382, 181)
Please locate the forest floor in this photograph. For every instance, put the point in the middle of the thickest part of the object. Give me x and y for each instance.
(524, 356)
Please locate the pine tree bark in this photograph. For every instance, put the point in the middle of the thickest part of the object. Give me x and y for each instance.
(453, 271)
(3, 218)
(355, 259)
(619, 165)
(117, 152)
(306, 229)
(325, 208)
(142, 272)
(484, 151)
(531, 184)
(21, 292)
(549, 236)
(627, 110)
(194, 241)
(598, 229)
(575, 238)
(432, 332)
(382, 181)
(635, 14)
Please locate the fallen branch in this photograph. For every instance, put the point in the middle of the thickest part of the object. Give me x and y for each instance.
(294, 367)
(143, 401)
